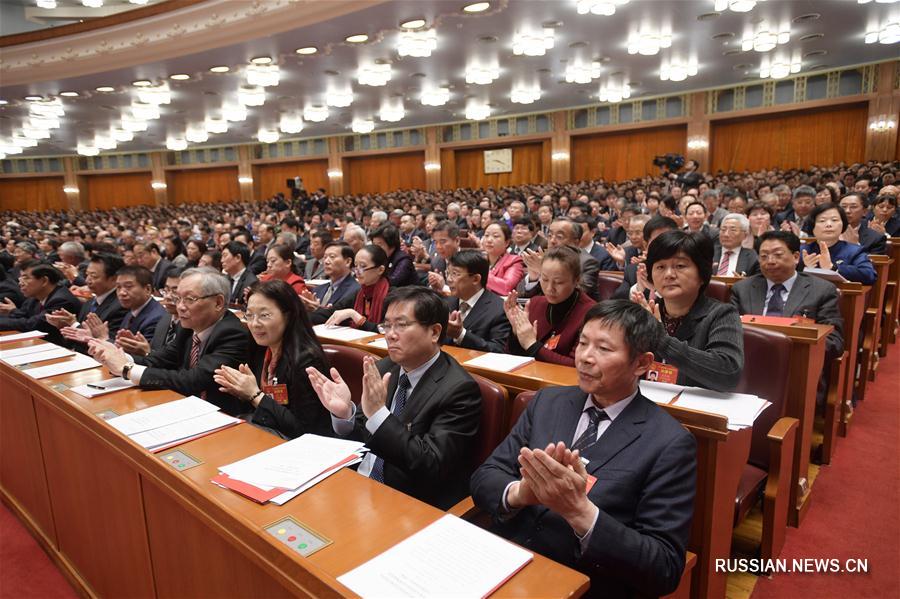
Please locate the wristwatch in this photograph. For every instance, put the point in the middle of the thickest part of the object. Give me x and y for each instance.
(126, 370)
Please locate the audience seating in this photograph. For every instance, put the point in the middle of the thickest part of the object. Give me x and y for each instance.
(492, 428)
(607, 283)
(349, 362)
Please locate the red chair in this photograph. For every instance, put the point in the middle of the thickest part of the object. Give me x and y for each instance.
(518, 406)
(607, 283)
(719, 290)
(491, 430)
(349, 363)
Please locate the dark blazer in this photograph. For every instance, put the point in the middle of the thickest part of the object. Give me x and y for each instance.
(602, 257)
(110, 311)
(427, 448)
(159, 275)
(871, 241)
(747, 262)
(304, 413)
(645, 464)
(513, 249)
(568, 332)
(617, 235)
(258, 260)
(810, 296)
(487, 328)
(400, 271)
(159, 334)
(708, 346)
(246, 280)
(169, 368)
(145, 321)
(348, 288)
(30, 315)
(852, 262)
(629, 278)
(10, 289)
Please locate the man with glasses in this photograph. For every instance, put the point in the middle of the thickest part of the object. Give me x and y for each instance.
(166, 328)
(42, 286)
(337, 262)
(210, 336)
(477, 319)
(101, 316)
(419, 411)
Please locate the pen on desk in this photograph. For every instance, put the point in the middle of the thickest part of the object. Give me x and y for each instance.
(100, 387)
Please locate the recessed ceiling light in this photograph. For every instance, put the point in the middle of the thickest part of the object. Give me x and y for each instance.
(708, 16)
(357, 38)
(180, 77)
(141, 83)
(723, 36)
(815, 53)
(813, 16)
(732, 52)
(221, 69)
(413, 24)
(69, 94)
(34, 98)
(477, 7)
(261, 60)
(307, 50)
(105, 88)
(552, 24)
(812, 36)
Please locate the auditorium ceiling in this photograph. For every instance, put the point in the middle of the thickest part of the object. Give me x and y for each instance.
(512, 57)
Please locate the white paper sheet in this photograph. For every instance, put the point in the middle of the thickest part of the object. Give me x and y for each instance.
(317, 282)
(31, 349)
(184, 429)
(22, 336)
(292, 464)
(288, 495)
(78, 362)
(341, 333)
(161, 415)
(827, 274)
(382, 343)
(449, 558)
(50, 354)
(659, 392)
(740, 409)
(109, 386)
(500, 362)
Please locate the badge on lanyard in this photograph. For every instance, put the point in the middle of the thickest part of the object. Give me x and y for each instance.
(552, 342)
(278, 392)
(663, 373)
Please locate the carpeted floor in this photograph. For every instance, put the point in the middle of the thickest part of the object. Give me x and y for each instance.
(25, 570)
(855, 511)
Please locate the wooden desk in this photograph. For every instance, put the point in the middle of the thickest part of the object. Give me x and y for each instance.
(872, 323)
(119, 521)
(853, 309)
(721, 457)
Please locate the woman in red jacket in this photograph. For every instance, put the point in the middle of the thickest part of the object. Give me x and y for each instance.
(280, 265)
(506, 270)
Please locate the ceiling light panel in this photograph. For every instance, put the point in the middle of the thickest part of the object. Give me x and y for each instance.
(362, 126)
(476, 7)
(392, 112)
(437, 96)
(290, 123)
(419, 44)
(598, 7)
(525, 94)
(477, 111)
(339, 98)
(736, 5)
(315, 114)
(647, 42)
(780, 66)
(263, 75)
(583, 72)
(678, 70)
(374, 74)
(251, 95)
(533, 43)
(766, 37)
(482, 74)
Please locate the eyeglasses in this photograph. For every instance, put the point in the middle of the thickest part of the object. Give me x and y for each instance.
(361, 269)
(399, 327)
(190, 300)
(262, 318)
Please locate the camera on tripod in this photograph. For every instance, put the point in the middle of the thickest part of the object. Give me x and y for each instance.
(669, 162)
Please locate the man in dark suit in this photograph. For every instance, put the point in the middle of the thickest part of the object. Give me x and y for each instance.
(314, 268)
(266, 238)
(563, 231)
(858, 231)
(782, 291)
(655, 226)
(337, 262)
(10, 293)
(166, 327)
(42, 286)
(477, 319)
(149, 256)
(102, 316)
(235, 260)
(523, 231)
(730, 258)
(133, 288)
(420, 409)
(629, 528)
(400, 270)
(587, 243)
(445, 237)
(210, 336)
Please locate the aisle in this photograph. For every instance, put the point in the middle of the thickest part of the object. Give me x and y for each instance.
(855, 512)
(25, 570)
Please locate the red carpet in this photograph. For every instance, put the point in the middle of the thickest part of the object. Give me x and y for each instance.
(25, 570)
(854, 511)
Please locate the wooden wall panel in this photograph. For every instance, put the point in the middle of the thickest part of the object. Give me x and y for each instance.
(205, 185)
(527, 167)
(790, 140)
(32, 193)
(271, 178)
(117, 190)
(385, 172)
(624, 155)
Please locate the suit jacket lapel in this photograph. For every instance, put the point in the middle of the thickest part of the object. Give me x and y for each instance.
(621, 433)
(758, 295)
(425, 388)
(797, 295)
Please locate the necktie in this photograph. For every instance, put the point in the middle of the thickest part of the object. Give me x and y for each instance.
(396, 408)
(723, 263)
(464, 308)
(776, 304)
(195, 356)
(92, 307)
(170, 332)
(326, 299)
(589, 436)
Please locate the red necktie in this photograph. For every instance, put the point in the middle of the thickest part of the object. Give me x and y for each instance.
(723, 263)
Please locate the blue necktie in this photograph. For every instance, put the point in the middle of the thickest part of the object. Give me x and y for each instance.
(93, 305)
(776, 304)
(396, 408)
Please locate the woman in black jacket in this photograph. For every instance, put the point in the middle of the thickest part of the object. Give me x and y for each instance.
(277, 385)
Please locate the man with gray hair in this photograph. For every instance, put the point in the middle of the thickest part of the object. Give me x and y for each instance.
(378, 218)
(716, 213)
(730, 258)
(355, 237)
(210, 337)
(72, 262)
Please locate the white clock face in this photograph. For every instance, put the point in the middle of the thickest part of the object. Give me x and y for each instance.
(498, 161)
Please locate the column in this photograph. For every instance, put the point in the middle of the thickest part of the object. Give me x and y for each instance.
(560, 149)
(158, 179)
(335, 167)
(881, 126)
(246, 182)
(698, 131)
(71, 187)
(432, 159)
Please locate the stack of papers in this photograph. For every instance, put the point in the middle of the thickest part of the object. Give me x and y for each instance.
(21, 351)
(50, 352)
(499, 362)
(22, 336)
(660, 392)
(102, 387)
(449, 558)
(380, 343)
(341, 333)
(173, 423)
(741, 409)
(281, 473)
(317, 282)
(827, 274)
(78, 362)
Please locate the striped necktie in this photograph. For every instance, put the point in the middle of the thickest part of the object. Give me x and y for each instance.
(396, 408)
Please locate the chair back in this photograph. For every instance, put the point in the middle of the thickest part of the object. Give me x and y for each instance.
(494, 400)
(719, 290)
(468, 243)
(518, 406)
(607, 283)
(349, 363)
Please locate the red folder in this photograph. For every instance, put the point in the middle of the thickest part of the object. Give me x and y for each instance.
(246, 489)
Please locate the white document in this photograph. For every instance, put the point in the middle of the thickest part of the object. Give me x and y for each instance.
(740, 409)
(382, 343)
(22, 336)
(161, 415)
(341, 333)
(31, 349)
(102, 387)
(827, 274)
(659, 392)
(500, 362)
(294, 463)
(78, 362)
(449, 558)
(288, 495)
(317, 282)
(50, 354)
(184, 429)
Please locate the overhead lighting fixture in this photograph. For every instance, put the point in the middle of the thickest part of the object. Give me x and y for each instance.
(362, 126)
(10, 149)
(261, 60)
(374, 74)
(530, 43)
(480, 74)
(392, 111)
(476, 7)
(306, 50)
(580, 72)
(69, 94)
(47, 123)
(648, 43)
(263, 75)
(598, 7)
(359, 38)
(34, 98)
(104, 142)
(26, 142)
(145, 111)
(35, 132)
(697, 143)
(158, 185)
(180, 77)
(677, 70)
(70, 189)
(219, 69)
(215, 125)
(121, 135)
(46, 4)
(525, 94)
(413, 24)
(105, 89)
(176, 144)
(477, 111)
(736, 5)
(196, 133)
(4, 102)
(614, 92)
(157, 94)
(92, 3)
(141, 2)
(878, 1)
(419, 44)
(882, 123)
(290, 123)
(133, 124)
(268, 136)
(887, 34)
(779, 67)
(245, 180)
(315, 114)
(766, 38)
(49, 108)
(432, 166)
(339, 99)
(87, 150)
(234, 112)
(559, 156)
(141, 83)
(437, 96)
(251, 96)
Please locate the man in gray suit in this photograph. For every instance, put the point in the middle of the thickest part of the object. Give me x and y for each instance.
(563, 231)
(782, 291)
(730, 258)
